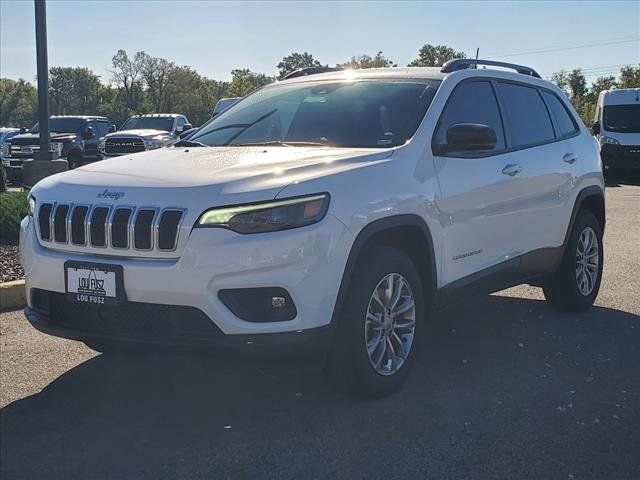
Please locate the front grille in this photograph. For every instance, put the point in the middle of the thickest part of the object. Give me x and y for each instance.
(124, 227)
(621, 153)
(121, 145)
(23, 151)
(133, 320)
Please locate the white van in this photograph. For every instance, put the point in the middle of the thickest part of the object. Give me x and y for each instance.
(617, 128)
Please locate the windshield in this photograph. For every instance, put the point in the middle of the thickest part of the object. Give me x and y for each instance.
(367, 114)
(61, 125)
(622, 118)
(152, 123)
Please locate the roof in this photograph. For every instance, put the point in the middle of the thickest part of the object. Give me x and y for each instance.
(83, 117)
(160, 115)
(433, 73)
(620, 96)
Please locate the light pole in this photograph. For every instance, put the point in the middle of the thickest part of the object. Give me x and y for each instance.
(45, 162)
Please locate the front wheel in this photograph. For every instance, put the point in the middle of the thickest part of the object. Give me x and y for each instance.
(574, 287)
(381, 323)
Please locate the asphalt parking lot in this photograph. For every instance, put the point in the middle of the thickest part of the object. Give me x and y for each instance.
(504, 388)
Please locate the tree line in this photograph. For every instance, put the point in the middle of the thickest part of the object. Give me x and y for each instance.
(146, 84)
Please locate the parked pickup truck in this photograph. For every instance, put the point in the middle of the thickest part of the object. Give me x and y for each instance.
(72, 137)
(144, 132)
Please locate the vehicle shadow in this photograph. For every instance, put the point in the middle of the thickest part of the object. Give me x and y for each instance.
(504, 387)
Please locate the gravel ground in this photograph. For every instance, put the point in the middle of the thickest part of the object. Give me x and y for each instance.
(10, 268)
(504, 388)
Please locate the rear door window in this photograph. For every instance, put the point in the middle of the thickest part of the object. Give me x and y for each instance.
(526, 116)
(471, 102)
(564, 121)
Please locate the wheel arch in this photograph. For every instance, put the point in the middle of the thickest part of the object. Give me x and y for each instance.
(589, 198)
(409, 233)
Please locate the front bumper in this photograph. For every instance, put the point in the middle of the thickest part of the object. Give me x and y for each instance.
(299, 342)
(621, 157)
(307, 262)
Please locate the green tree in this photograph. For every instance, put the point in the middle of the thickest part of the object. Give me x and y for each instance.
(156, 74)
(435, 56)
(296, 61)
(629, 77)
(18, 103)
(244, 81)
(192, 94)
(366, 61)
(73, 91)
(574, 83)
(126, 73)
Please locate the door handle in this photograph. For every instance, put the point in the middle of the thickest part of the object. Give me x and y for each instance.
(512, 169)
(570, 158)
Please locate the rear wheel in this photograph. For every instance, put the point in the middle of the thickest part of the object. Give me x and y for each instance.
(574, 287)
(380, 324)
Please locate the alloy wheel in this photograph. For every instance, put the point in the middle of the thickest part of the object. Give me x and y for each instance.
(390, 324)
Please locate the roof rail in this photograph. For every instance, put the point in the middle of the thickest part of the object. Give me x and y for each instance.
(310, 71)
(464, 63)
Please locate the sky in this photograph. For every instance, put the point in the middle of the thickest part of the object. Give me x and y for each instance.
(217, 37)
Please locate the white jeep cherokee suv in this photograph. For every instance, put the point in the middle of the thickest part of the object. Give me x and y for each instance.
(333, 211)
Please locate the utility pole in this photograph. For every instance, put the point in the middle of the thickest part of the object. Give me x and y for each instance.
(43, 80)
(45, 162)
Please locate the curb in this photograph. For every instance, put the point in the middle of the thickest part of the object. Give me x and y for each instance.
(12, 295)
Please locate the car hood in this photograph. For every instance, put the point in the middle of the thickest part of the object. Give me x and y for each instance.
(236, 173)
(141, 132)
(34, 138)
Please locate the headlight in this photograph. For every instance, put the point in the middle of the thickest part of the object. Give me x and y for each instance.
(609, 140)
(32, 205)
(268, 216)
(5, 149)
(153, 143)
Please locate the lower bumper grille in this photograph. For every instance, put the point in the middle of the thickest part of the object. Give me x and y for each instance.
(130, 320)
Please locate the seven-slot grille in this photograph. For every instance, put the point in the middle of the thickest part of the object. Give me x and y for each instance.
(118, 227)
(121, 145)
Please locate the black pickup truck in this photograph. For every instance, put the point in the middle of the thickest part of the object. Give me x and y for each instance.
(72, 137)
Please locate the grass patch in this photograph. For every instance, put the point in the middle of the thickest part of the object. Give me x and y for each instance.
(14, 206)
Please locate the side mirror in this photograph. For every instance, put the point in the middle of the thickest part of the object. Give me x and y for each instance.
(186, 133)
(595, 128)
(112, 128)
(468, 137)
(89, 133)
(187, 126)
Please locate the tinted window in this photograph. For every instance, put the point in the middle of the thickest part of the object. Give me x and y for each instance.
(103, 129)
(63, 125)
(368, 114)
(525, 114)
(563, 118)
(622, 118)
(180, 122)
(471, 102)
(153, 123)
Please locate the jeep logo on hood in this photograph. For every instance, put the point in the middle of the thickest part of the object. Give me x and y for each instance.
(110, 194)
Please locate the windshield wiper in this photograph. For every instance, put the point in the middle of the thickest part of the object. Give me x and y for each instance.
(278, 143)
(189, 143)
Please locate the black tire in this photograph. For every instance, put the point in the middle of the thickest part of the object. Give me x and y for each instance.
(562, 290)
(74, 159)
(350, 363)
